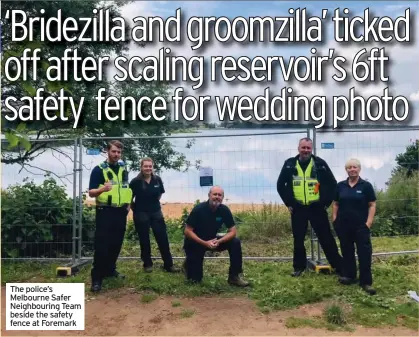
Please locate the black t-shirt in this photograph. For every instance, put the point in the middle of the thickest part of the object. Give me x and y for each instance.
(206, 223)
(97, 178)
(304, 164)
(353, 202)
(147, 194)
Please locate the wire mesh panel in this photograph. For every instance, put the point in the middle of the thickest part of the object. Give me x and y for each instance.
(38, 214)
(246, 165)
(47, 213)
(392, 172)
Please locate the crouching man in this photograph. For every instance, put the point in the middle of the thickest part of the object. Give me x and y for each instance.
(201, 229)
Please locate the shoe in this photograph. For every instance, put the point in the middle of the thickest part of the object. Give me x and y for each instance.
(297, 273)
(172, 269)
(346, 280)
(117, 274)
(370, 290)
(96, 286)
(238, 281)
(148, 269)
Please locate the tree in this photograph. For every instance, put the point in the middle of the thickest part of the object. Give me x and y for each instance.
(20, 149)
(409, 160)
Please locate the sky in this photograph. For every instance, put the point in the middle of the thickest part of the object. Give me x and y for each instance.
(402, 69)
(248, 166)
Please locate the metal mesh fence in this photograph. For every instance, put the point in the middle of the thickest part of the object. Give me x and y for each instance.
(247, 166)
(39, 202)
(397, 196)
(58, 221)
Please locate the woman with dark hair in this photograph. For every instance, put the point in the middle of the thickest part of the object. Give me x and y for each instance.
(147, 189)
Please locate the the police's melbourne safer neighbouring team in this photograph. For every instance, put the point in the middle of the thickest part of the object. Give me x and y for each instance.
(306, 185)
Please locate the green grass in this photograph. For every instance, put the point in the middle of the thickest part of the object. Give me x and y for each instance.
(147, 298)
(272, 288)
(176, 304)
(264, 233)
(186, 313)
(282, 247)
(334, 314)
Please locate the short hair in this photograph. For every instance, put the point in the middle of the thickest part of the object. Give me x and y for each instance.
(307, 139)
(353, 161)
(210, 190)
(116, 143)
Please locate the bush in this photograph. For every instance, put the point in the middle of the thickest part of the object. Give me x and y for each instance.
(397, 207)
(271, 223)
(37, 220)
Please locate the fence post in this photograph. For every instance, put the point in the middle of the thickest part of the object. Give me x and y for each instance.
(319, 252)
(80, 196)
(73, 252)
(312, 239)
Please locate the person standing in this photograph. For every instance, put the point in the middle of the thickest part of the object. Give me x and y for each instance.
(307, 185)
(147, 189)
(353, 214)
(109, 186)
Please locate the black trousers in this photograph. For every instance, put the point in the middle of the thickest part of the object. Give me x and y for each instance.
(319, 221)
(109, 235)
(195, 253)
(143, 221)
(359, 236)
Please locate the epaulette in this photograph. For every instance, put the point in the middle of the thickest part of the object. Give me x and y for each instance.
(103, 165)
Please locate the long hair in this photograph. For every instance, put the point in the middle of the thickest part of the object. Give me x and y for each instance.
(141, 175)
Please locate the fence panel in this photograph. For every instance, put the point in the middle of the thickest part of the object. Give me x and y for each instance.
(38, 203)
(397, 196)
(247, 166)
(59, 223)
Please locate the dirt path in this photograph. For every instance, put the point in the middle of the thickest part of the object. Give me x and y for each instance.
(113, 313)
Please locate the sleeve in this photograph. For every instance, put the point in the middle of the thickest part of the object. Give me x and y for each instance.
(336, 194)
(229, 220)
(283, 188)
(162, 190)
(192, 219)
(96, 178)
(132, 186)
(370, 193)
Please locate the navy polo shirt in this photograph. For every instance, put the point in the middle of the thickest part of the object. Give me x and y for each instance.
(206, 223)
(97, 178)
(353, 202)
(147, 194)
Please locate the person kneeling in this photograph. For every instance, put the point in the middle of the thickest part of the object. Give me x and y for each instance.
(201, 229)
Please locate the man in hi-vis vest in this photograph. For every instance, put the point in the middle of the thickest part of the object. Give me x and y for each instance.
(109, 185)
(306, 185)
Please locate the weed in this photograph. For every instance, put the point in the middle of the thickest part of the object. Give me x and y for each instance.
(147, 298)
(186, 313)
(334, 314)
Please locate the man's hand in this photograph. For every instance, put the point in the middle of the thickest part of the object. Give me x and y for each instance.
(107, 187)
(211, 244)
(368, 224)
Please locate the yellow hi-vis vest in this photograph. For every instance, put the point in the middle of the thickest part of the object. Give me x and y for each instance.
(304, 185)
(120, 194)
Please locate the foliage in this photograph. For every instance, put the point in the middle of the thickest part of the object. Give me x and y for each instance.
(270, 223)
(397, 207)
(334, 314)
(37, 220)
(20, 149)
(409, 160)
